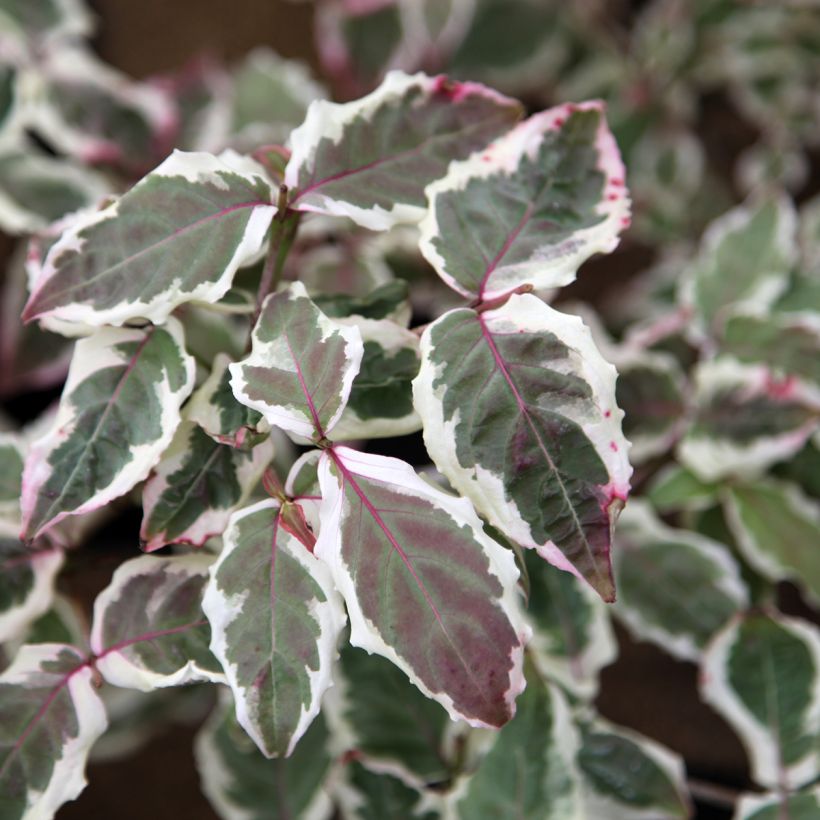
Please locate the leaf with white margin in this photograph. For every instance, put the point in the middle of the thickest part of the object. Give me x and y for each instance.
(572, 636)
(745, 419)
(529, 771)
(275, 619)
(196, 486)
(675, 488)
(303, 478)
(530, 208)
(676, 588)
(371, 159)
(50, 716)
(301, 366)
(43, 20)
(242, 784)
(777, 528)
(381, 399)
(118, 412)
(762, 674)
(626, 776)
(149, 630)
(27, 576)
(386, 301)
(804, 805)
(744, 261)
(520, 415)
(178, 235)
(12, 458)
(425, 587)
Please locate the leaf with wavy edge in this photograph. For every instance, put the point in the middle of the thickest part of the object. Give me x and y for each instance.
(520, 415)
(371, 159)
(50, 716)
(301, 367)
(149, 630)
(178, 235)
(529, 208)
(424, 586)
(275, 618)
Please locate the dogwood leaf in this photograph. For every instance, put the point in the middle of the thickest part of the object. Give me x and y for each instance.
(804, 805)
(371, 159)
(301, 366)
(520, 415)
(276, 619)
(676, 488)
(424, 586)
(178, 235)
(531, 207)
(149, 630)
(50, 716)
(761, 674)
(99, 448)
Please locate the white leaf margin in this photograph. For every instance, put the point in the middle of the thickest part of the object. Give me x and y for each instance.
(749, 805)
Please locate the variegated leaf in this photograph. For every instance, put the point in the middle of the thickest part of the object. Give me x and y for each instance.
(196, 486)
(275, 618)
(99, 446)
(12, 458)
(803, 805)
(520, 415)
(242, 784)
(762, 674)
(45, 20)
(424, 586)
(178, 235)
(386, 301)
(301, 368)
(676, 588)
(777, 528)
(303, 478)
(676, 488)
(530, 208)
(149, 630)
(50, 716)
(371, 159)
(626, 776)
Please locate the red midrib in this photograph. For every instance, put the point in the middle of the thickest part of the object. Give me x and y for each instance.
(320, 433)
(511, 237)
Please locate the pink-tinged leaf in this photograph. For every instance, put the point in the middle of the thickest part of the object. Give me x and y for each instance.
(371, 159)
(149, 630)
(99, 447)
(276, 619)
(531, 207)
(425, 587)
(301, 366)
(50, 716)
(520, 415)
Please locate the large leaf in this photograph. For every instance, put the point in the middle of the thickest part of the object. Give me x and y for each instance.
(520, 415)
(301, 367)
(531, 207)
(276, 619)
(119, 410)
(762, 673)
(50, 716)
(424, 586)
(149, 630)
(371, 159)
(178, 235)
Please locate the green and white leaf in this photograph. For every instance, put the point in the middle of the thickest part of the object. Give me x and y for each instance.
(803, 805)
(45, 21)
(149, 630)
(301, 367)
(12, 458)
(675, 488)
(178, 235)
(276, 618)
(388, 301)
(520, 415)
(762, 674)
(371, 159)
(450, 619)
(99, 447)
(530, 208)
(50, 716)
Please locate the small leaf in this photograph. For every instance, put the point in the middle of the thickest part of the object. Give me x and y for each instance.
(178, 235)
(99, 447)
(149, 630)
(676, 488)
(519, 414)
(276, 619)
(301, 367)
(44, 20)
(387, 301)
(12, 458)
(424, 586)
(761, 674)
(371, 159)
(530, 208)
(50, 715)
(803, 805)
